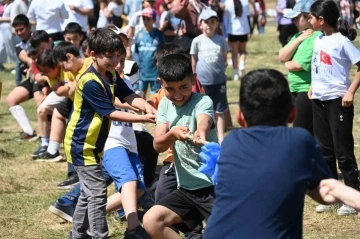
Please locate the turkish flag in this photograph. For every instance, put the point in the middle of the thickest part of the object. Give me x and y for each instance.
(325, 58)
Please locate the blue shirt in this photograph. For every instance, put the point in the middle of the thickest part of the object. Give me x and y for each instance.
(132, 6)
(264, 173)
(146, 44)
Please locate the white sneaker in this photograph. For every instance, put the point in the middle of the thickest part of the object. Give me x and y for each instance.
(236, 77)
(323, 208)
(345, 210)
(13, 72)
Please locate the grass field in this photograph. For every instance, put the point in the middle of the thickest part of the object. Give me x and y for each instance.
(28, 188)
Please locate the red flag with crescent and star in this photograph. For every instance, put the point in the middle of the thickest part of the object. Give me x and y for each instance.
(325, 58)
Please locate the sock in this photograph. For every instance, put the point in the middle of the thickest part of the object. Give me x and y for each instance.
(236, 71)
(242, 65)
(44, 141)
(19, 114)
(53, 147)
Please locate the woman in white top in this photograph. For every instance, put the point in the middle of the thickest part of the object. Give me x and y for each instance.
(236, 14)
(7, 39)
(332, 93)
(103, 13)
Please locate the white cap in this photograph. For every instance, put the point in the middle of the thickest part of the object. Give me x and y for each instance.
(130, 71)
(118, 31)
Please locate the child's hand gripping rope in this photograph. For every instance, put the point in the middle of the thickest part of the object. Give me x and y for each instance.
(210, 152)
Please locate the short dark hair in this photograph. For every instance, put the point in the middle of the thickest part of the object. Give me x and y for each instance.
(21, 19)
(103, 40)
(175, 67)
(38, 37)
(84, 45)
(265, 98)
(62, 49)
(46, 59)
(73, 28)
(31, 51)
(166, 49)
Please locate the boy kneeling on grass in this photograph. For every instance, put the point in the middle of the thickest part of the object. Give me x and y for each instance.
(262, 184)
(180, 114)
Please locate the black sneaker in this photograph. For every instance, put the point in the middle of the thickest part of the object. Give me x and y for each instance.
(41, 149)
(48, 157)
(139, 233)
(70, 182)
(86, 237)
(64, 212)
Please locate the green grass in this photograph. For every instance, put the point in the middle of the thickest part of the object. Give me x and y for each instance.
(28, 188)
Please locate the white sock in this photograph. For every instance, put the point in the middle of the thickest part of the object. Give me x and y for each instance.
(53, 147)
(44, 141)
(19, 114)
(236, 71)
(242, 65)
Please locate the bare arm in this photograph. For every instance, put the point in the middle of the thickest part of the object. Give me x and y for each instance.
(194, 60)
(82, 11)
(316, 196)
(40, 79)
(118, 103)
(293, 66)
(138, 102)
(348, 98)
(23, 56)
(287, 52)
(164, 138)
(204, 124)
(62, 90)
(131, 32)
(128, 117)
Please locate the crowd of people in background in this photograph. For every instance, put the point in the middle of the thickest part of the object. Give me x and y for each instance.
(97, 70)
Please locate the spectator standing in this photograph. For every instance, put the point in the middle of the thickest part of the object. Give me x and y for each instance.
(79, 10)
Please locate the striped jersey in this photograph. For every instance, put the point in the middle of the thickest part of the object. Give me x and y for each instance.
(88, 126)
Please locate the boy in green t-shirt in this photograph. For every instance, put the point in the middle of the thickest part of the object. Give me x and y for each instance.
(297, 56)
(180, 114)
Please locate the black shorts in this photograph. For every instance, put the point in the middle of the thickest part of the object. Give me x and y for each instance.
(240, 38)
(65, 108)
(193, 206)
(31, 87)
(217, 93)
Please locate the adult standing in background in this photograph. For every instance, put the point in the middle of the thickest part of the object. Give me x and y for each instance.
(7, 39)
(79, 10)
(132, 6)
(286, 27)
(18, 7)
(48, 16)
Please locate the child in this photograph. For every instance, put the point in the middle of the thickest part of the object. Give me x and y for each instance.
(332, 93)
(181, 114)
(74, 34)
(147, 41)
(297, 58)
(209, 56)
(250, 201)
(88, 128)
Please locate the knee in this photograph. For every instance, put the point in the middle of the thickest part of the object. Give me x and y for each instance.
(10, 101)
(42, 112)
(152, 222)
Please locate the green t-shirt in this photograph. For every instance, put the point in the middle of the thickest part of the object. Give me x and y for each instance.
(187, 160)
(300, 81)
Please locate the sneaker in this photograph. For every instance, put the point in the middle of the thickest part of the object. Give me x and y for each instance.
(346, 210)
(324, 208)
(139, 233)
(40, 150)
(27, 137)
(146, 201)
(236, 77)
(70, 182)
(120, 215)
(64, 212)
(48, 157)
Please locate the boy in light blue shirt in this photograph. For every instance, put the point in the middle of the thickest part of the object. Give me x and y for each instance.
(147, 41)
(209, 55)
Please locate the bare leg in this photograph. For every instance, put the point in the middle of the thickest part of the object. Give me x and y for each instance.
(43, 123)
(57, 127)
(234, 56)
(158, 220)
(129, 202)
(242, 51)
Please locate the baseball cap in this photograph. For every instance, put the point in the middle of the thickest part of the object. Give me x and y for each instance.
(118, 31)
(131, 71)
(207, 13)
(302, 6)
(148, 12)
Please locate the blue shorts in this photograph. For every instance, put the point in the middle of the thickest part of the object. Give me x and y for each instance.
(217, 93)
(154, 85)
(123, 166)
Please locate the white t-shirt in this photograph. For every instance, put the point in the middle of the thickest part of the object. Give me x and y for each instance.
(121, 133)
(116, 9)
(332, 59)
(166, 15)
(237, 25)
(75, 16)
(48, 15)
(18, 7)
